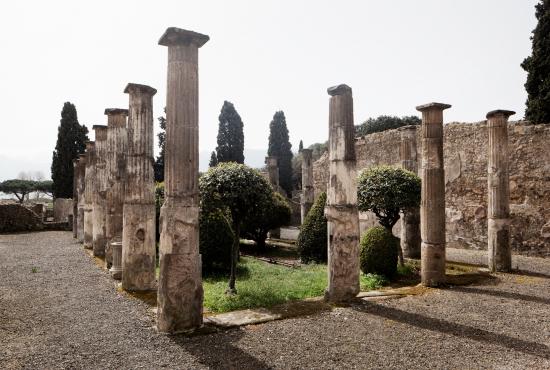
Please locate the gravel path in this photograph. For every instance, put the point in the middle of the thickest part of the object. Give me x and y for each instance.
(67, 314)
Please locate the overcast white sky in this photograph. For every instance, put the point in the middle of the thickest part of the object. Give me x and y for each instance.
(263, 56)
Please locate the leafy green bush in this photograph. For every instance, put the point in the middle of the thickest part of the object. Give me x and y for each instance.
(159, 200)
(273, 214)
(312, 240)
(383, 123)
(379, 252)
(216, 238)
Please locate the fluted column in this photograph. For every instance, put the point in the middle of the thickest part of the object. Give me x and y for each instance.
(432, 204)
(81, 204)
(138, 235)
(117, 139)
(341, 208)
(180, 293)
(498, 186)
(100, 196)
(306, 199)
(410, 224)
(89, 180)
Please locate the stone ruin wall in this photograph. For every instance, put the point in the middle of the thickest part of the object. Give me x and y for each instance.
(465, 152)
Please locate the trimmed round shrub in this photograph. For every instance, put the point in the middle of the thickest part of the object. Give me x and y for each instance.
(216, 238)
(379, 252)
(312, 240)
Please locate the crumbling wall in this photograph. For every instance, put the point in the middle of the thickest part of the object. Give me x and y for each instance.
(62, 208)
(17, 218)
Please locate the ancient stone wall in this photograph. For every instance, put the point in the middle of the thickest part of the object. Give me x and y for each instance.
(465, 152)
(62, 208)
(17, 218)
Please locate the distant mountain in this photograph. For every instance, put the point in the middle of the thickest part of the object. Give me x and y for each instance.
(254, 158)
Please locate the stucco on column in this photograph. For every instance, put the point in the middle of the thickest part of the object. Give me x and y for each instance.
(99, 196)
(138, 235)
(432, 204)
(498, 190)
(306, 199)
(89, 180)
(272, 164)
(117, 138)
(341, 208)
(81, 188)
(180, 293)
(410, 223)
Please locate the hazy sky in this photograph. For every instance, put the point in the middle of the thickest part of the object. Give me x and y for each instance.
(263, 56)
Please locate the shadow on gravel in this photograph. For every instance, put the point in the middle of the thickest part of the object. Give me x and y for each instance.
(458, 330)
(501, 294)
(217, 351)
(530, 274)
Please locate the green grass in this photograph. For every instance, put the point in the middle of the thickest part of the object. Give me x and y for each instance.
(260, 284)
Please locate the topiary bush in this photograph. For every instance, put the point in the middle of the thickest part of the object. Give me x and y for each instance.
(312, 240)
(215, 240)
(379, 252)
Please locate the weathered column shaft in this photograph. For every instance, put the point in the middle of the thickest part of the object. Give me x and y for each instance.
(432, 205)
(180, 293)
(80, 189)
(99, 196)
(117, 138)
(498, 189)
(341, 208)
(307, 183)
(273, 172)
(138, 235)
(89, 181)
(410, 224)
(75, 196)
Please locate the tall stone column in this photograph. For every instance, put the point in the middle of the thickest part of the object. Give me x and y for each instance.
(89, 180)
(307, 183)
(410, 224)
(138, 233)
(432, 204)
(75, 196)
(99, 196)
(341, 208)
(81, 189)
(180, 293)
(498, 186)
(273, 172)
(117, 139)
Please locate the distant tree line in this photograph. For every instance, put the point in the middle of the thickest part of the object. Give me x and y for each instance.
(383, 123)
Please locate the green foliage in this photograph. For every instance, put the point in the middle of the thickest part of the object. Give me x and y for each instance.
(216, 238)
(213, 160)
(71, 139)
(280, 147)
(159, 200)
(537, 66)
(383, 123)
(378, 253)
(273, 214)
(318, 149)
(230, 135)
(312, 240)
(297, 171)
(386, 191)
(21, 188)
(158, 166)
(300, 146)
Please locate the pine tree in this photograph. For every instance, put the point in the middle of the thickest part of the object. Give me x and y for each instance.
(538, 68)
(71, 141)
(301, 146)
(230, 135)
(213, 160)
(280, 147)
(159, 162)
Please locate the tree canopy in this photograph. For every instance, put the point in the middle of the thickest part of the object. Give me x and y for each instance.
(159, 161)
(280, 147)
(22, 188)
(230, 135)
(383, 123)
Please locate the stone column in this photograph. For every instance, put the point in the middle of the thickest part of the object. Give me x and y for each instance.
(180, 293)
(410, 223)
(432, 204)
(116, 268)
(138, 233)
(80, 189)
(273, 172)
(99, 196)
(75, 196)
(307, 183)
(498, 186)
(117, 139)
(89, 180)
(341, 208)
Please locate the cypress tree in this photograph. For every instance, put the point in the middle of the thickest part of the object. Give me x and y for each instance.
(71, 141)
(280, 147)
(538, 68)
(159, 161)
(230, 135)
(213, 160)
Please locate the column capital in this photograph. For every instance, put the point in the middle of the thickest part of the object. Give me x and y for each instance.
(307, 152)
(432, 106)
(177, 36)
(115, 111)
(138, 88)
(100, 132)
(341, 89)
(500, 112)
(271, 160)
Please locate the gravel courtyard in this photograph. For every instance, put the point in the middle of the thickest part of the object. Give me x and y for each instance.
(59, 310)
